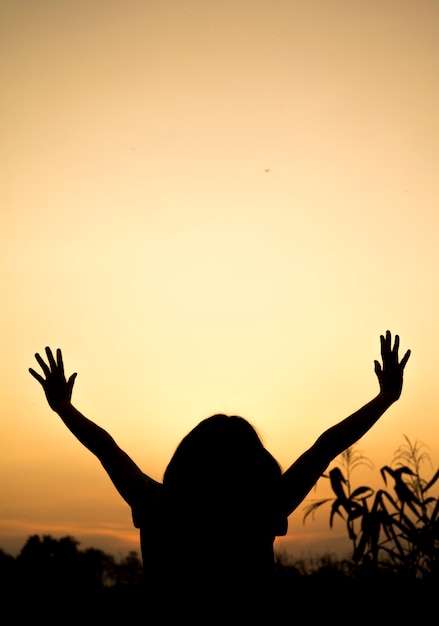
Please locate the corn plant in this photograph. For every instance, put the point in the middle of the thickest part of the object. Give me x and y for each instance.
(396, 530)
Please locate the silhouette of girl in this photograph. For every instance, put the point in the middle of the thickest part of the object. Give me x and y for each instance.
(207, 531)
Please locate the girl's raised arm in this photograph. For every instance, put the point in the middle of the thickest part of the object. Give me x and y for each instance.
(299, 479)
(126, 476)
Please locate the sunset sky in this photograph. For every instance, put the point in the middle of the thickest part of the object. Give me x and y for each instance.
(211, 206)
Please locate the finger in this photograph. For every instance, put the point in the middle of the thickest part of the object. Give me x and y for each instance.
(50, 359)
(71, 380)
(60, 361)
(42, 364)
(377, 368)
(384, 347)
(396, 344)
(405, 358)
(388, 340)
(35, 374)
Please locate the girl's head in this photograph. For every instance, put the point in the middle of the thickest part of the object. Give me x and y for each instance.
(220, 448)
(222, 465)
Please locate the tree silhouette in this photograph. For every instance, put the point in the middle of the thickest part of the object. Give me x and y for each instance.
(54, 579)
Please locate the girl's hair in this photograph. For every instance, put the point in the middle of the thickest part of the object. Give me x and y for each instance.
(222, 466)
(220, 447)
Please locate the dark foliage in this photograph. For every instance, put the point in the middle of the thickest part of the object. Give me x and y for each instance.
(54, 582)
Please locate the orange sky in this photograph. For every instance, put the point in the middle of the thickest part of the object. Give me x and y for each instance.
(211, 207)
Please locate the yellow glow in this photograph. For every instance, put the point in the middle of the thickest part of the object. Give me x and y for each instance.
(211, 207)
